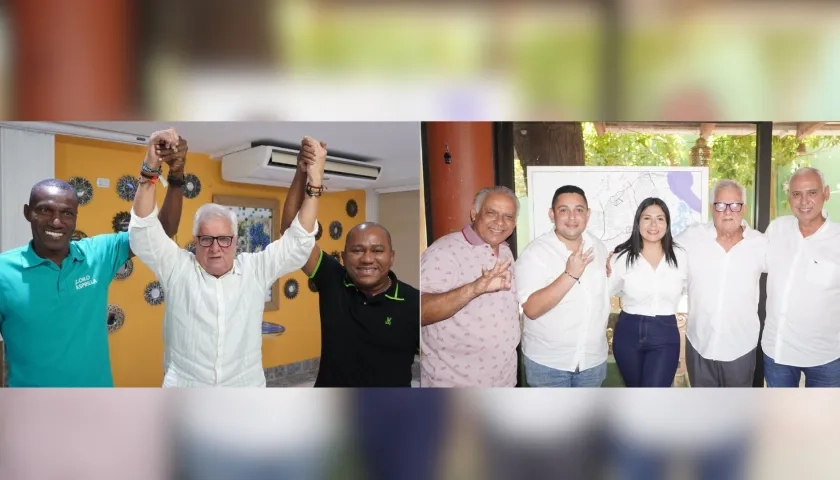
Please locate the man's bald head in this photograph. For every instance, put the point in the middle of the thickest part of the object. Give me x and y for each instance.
(50, 187)
(364, 228)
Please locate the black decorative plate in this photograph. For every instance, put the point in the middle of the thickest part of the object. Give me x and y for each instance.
(319, 233)
(290, 289)
(125, 270)
(192, 186)
(116, 318)
(84, 190)
(352, 208)
(78, 235)
(154, 293)
(190, 247)
(335, 230)
(312, 286)
(127, 187)
(336, 255)
(120, 222)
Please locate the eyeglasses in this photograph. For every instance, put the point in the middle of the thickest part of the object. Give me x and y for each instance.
(733, 207)
(207, 240)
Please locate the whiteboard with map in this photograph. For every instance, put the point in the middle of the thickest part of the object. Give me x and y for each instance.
(614, 193)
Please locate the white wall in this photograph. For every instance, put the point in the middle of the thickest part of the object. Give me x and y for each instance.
(399, 212)
(25, 159)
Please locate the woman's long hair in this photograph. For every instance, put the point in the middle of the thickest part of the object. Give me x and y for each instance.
(633, 246)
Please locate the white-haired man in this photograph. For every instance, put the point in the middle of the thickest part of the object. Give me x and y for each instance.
(725, 261)
(469, 314)
(801, 332)
(215, 298)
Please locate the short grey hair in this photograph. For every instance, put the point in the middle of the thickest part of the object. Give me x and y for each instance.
(804, 170)
(726, 183)
(482, 194)
(210, 211)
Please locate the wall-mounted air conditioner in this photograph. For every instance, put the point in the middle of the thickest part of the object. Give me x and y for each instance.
(275, 166)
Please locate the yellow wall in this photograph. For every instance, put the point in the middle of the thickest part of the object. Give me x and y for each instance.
(137, 348)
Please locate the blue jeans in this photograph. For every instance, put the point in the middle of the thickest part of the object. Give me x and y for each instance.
(646, 349)
(400, 432)
(781, 376)
(538, 375)
(726, 462)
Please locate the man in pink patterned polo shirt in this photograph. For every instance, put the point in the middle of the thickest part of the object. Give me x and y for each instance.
(470, 315)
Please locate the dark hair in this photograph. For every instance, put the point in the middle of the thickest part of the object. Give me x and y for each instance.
(569, 189)
(633, 246)
(51, 182)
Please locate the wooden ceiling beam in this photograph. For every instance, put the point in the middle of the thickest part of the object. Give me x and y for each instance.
(805, 129)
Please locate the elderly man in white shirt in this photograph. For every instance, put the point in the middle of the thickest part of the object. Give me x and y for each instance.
(215, 298)
(802, 329)
(726, 259)
(565, 301)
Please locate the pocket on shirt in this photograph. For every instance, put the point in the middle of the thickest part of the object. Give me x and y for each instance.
(822, 273)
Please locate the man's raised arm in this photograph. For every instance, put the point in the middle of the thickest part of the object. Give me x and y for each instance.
(310, 151)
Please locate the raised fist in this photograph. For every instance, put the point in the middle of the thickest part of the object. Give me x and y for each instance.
(309, 150)
(162, 139)
(312, 158)
(175, 157)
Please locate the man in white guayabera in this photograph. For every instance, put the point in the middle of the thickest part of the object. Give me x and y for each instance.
(725, 261)
(215, 298)
(802, 332)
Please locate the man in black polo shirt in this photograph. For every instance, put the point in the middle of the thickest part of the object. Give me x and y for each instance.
(370, 321)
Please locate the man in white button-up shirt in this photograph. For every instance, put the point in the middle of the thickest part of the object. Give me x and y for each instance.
(726, 259)
(802, 329)
(215, 298)
(565, 300)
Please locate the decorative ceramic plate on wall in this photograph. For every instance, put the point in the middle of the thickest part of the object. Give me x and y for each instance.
(154, 293)
(120, 222)
(336, 255)
(335, 230)
(352, 208)
(83, 188)
(272, 329)
(116, 318)
(290, 289)
(125, 270)
(192, 186)
(127, 187)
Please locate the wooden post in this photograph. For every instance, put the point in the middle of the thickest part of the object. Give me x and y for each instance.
(73, 60)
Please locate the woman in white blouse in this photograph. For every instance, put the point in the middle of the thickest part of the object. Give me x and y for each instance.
(648, 272)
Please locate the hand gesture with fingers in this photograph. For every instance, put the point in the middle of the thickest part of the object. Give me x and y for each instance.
(578, 261)
(495, 279)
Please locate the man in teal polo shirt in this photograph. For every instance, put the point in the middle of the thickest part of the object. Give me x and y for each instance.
(54, 291)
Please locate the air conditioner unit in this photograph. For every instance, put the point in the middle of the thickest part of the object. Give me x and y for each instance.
(275, 166)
